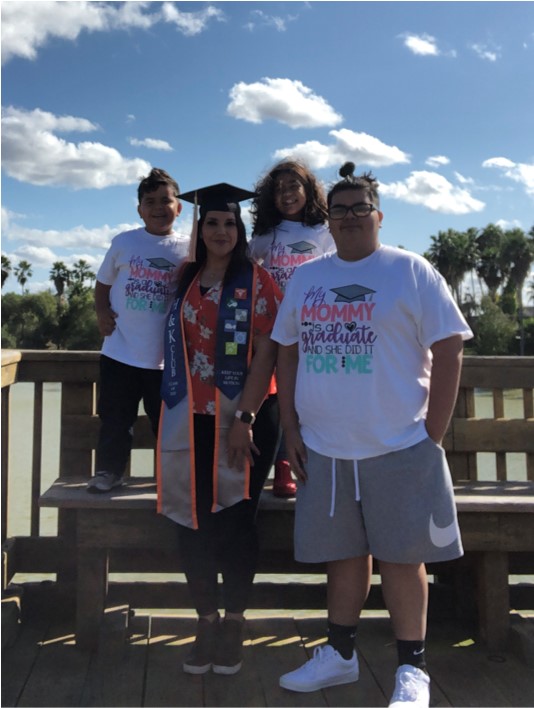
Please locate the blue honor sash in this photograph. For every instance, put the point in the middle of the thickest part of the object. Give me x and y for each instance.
(232, 345)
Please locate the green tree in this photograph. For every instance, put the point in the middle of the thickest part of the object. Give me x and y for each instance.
(491, 267)
(60, 275)
(6, 268)
(453, 254)
(494, 330)
(29, 321)
(22, 272)
(518, 251)
(78, 326)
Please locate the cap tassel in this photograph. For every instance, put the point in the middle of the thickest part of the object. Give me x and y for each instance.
(192, 255)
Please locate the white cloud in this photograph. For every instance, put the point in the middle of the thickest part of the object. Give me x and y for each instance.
(463, 180)
(422, 44)
(482, 51)
(437, 160)
(505, 224)
(434, 192)
(361, 148)
(78, 236)
(28, 26)
(190, 23)
(263, 20)
(32, 152)
(151, 143)
(516, 171)
(283, 100)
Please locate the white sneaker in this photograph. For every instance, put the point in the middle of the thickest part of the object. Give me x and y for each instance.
(412, 688)
(326, 668)
(104, 482)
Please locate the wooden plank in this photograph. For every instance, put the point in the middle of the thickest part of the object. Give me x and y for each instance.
(170, 641)
(116, 673)
(5, 460)
(91, 591)
(497, 372)
(493, 598)
(58, 659)
(37, 456)
(279, 647)
(487, 435)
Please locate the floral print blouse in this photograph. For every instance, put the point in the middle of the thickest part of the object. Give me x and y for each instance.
(200, 324)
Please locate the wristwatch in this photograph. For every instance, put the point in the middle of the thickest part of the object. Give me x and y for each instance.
(245, 417)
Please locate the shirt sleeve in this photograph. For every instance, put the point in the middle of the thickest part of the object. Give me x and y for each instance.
(107, 272)
(268, 298)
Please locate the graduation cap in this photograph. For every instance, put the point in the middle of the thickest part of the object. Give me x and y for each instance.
(301, 247)
(216, 197)
(160, 263)
(350, 293)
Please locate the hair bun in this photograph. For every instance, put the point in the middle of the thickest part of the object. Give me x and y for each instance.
(347, 170)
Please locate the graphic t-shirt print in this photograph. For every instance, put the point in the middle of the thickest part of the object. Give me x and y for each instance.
(337, 332)
(148, 285)
(285, 258)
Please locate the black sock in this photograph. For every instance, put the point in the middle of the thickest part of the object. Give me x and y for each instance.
(341, 638)
(412, 653)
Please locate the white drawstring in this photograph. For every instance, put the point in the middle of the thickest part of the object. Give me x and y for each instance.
(333, 502)
(356, 485)
(356, 480)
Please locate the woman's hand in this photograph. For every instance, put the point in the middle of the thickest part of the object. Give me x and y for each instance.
(240, 445)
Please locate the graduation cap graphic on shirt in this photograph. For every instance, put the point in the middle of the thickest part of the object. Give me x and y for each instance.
(301, 247)
(350, 293)
(160, 263)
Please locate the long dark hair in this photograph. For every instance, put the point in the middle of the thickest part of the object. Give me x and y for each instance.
(240, 256)
(265, 216)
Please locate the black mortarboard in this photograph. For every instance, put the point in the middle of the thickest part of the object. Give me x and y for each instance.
(160, 263)
(301, 247)
(350, 293)
(216, 197)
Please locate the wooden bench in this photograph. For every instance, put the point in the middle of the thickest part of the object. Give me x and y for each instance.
(496, 518)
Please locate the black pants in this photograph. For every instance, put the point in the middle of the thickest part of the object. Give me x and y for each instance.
(226, 541)
(122, 387)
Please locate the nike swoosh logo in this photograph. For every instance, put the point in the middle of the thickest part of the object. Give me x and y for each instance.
(416, 653)
(442, 536)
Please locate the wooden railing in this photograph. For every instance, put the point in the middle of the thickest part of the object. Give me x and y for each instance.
(77, 372)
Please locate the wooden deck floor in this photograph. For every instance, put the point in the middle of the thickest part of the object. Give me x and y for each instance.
(138, 663)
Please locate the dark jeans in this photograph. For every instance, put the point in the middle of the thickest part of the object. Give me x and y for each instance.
(226, 541)
(122, 387)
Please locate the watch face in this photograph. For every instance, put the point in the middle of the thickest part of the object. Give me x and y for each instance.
(247, 417)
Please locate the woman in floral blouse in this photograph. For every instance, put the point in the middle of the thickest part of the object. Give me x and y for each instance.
(219, 427)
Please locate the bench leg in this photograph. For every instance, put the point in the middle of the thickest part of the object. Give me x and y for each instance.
(91, 595)
(493, 598)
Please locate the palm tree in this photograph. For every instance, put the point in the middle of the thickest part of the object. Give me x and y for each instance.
(6, 268)
(22, 272)
(453, 254)
(60, 275)
(81, 271)
(491, 266)
(518, 251)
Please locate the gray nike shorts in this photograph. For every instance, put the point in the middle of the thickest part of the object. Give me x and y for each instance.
(398, 507)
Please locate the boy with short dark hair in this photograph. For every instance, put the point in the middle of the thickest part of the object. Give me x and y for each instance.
(136, 284)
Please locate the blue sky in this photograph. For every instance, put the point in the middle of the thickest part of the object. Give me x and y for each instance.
(437, 98)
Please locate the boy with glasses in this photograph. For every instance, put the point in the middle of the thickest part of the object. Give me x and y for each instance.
(368, 370)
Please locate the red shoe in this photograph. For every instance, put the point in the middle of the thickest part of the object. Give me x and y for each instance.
(283, 485)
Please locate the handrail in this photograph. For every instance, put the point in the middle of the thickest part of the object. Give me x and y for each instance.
(78, 374)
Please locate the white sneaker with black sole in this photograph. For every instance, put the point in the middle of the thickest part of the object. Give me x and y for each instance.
(104, 482)
(412, 688)
(326, 668)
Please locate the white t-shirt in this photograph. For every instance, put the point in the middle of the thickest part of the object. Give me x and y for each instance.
(142, 270)
(364, 329)
(289, 245)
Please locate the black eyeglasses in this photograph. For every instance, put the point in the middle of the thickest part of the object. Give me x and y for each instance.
(340, 211)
